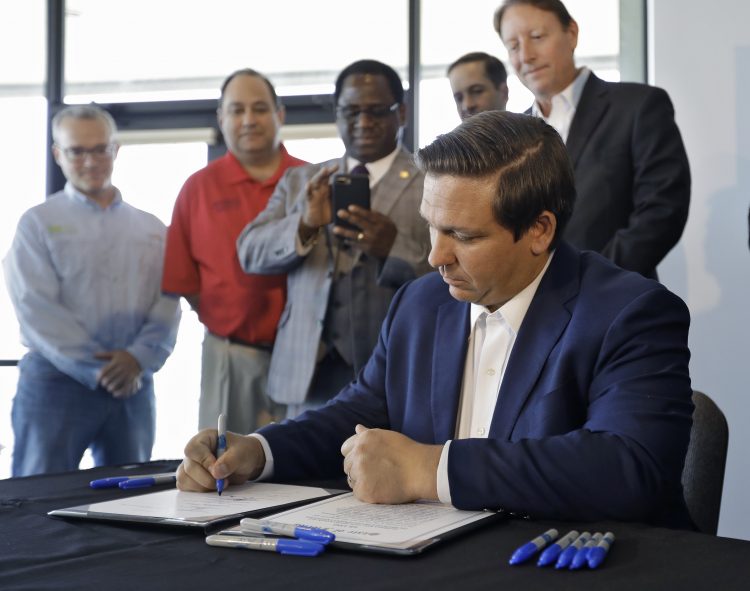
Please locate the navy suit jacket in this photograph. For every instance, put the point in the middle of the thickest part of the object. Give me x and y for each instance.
(632, 174)
(593, 416)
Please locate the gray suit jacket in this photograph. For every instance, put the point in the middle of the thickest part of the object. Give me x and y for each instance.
(268, 245)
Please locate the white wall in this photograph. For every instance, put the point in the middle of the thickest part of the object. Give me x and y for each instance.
(700, 53)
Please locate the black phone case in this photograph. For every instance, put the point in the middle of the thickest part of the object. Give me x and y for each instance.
(346, 190)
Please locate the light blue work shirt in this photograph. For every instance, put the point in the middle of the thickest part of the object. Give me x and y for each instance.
(85, 279)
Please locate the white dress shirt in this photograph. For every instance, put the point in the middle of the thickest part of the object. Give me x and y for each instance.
(564, 105)
(491, 341)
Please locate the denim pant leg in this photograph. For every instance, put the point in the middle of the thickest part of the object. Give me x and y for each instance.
(127, 431)
(54, 418)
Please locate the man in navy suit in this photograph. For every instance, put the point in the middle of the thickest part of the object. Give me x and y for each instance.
(631, 170)
(526, 375)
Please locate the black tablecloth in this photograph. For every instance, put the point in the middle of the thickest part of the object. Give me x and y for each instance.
(38, 552)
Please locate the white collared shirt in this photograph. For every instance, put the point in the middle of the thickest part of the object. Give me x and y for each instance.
(376, 169)
(491, 341)
(564, 105)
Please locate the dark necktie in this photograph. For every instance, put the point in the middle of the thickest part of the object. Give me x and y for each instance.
(360, 169)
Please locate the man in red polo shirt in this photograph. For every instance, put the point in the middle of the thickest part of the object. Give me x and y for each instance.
(240, 311)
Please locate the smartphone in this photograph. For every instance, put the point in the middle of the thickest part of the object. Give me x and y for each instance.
(346, 190)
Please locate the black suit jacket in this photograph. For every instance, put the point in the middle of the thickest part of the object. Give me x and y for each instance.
(632, 174)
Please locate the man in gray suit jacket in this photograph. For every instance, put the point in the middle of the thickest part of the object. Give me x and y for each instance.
(340, 281)
(631, 169)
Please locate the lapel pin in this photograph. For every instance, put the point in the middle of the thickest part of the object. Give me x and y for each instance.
(404, 174)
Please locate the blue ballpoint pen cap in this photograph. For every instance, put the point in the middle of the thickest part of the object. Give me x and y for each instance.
(107, 482)
(596, 557)
(299, 547)
(549, 555)
(566, 556)
(523, 553)
(137, 483)
(314, 534)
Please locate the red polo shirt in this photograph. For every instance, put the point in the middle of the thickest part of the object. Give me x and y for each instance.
(213, 207)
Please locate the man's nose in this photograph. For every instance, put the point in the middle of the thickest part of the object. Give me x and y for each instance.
(440, 251)
(469, 106)
(526, 52)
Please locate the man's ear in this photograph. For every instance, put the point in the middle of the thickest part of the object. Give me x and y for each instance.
(572, 32)
(503, 89)
(281, 114)
(543, 232)
(402, 115)
(56, 154)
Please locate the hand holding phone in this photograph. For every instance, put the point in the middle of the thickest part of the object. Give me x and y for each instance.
(349, 189)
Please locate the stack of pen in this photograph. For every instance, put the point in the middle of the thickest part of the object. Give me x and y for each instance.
(305, 540)
(573, 551)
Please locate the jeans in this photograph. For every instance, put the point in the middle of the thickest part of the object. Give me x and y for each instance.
(55, 419)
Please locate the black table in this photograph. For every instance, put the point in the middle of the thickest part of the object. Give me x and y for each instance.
(38, 552)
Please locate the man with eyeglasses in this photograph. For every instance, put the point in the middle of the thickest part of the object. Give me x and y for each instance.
(340, 280)
(240, 312)
(84, 274)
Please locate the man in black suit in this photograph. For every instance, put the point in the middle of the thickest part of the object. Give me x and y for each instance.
(631, 169)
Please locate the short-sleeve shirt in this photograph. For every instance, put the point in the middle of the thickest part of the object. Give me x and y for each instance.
(213, 207)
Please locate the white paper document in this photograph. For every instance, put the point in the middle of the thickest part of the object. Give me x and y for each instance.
(179, 504)
(409, 526)
(192, 508)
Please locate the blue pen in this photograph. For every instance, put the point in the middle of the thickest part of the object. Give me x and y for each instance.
(582, 556)
(148, 481)
(598, 553)
(114, 481)
(290, 547)
(551, 554)
(108, 482)
(302, 532)
(566, 556)
(530, 548)
(221, 447)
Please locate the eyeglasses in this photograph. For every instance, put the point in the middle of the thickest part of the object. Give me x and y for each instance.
(351, 114)
(78, 153)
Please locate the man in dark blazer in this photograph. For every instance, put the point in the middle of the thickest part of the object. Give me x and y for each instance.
(632, 173)
(526, 375)
(340, 281)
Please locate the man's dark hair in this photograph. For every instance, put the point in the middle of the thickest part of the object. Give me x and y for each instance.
(493, 67)
(554, 6)
(375, 68)
(249, 72)
(528, 156)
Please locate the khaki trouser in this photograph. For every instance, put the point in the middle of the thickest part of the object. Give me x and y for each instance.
(233, 383)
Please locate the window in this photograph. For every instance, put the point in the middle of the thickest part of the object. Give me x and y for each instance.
(449, 32)
(23, 153)
(183, 49)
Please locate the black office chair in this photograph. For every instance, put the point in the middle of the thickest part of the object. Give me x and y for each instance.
(703, 475)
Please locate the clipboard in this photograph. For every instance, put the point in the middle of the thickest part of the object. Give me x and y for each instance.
(204, 511)
(359, 526)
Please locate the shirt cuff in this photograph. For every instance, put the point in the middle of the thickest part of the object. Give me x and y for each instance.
(268, 468)
(443, 486)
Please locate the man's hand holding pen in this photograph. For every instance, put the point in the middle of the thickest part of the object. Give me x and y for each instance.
(243, 460)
